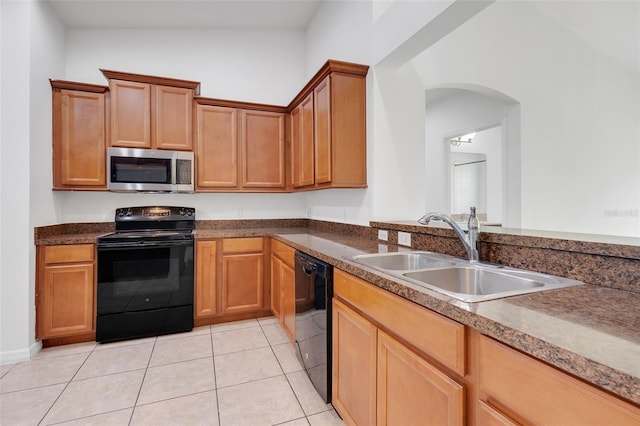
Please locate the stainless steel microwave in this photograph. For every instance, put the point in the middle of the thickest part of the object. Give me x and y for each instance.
(149, 170)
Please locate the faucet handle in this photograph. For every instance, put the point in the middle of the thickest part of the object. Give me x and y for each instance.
(473, 223)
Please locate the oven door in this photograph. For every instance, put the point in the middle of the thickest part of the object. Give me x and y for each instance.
(139, 278)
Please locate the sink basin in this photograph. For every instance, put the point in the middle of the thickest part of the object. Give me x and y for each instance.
(476, 283)
(472, 281)
(461, 279)
(408, 261)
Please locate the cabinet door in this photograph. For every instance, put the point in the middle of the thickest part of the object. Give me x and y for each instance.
(411, 391)
(79, 151)
(322, 130)
(276, 287)
(288, 281)
(242, 275)
(539, 394)
(348, 132)
(130, 114)
(302, 151)
(172, 118)
(262, 136)
(205, 294)
(217, 147)
(242, 283)
(354, 366)
(66, 306)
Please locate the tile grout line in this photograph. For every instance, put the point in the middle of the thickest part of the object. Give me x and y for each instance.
(215, 377)
(66, 386)
(135, 403)
(288, 382)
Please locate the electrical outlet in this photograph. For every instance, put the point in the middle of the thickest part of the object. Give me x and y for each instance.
(404, 239)
(383, 235)
(382, 248)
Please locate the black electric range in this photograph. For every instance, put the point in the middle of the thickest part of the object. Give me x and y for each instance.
(146, 274)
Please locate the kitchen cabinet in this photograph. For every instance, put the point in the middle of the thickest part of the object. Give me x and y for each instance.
(354, 366)
(151, 112)
(79, 141)
(413, 391)
(239, 150)
(242, 281)
(205, 286)
(283, 286)
(302, 146)
(262, 140)
(217, 147)
(330, 116)
(392, 354)
(65, 290)
(515, 388)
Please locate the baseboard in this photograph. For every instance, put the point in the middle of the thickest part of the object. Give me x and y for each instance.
(19, 355)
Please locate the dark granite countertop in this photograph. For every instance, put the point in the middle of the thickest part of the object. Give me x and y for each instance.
(589, 331)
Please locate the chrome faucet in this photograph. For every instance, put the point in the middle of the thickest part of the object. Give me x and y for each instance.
(469, 240)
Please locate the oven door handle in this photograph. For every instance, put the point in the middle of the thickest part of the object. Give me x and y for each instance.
(144, 244)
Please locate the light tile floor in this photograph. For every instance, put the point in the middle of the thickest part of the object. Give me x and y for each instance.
(239, 373)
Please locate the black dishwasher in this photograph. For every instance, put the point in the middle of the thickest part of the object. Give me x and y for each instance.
(314, 289)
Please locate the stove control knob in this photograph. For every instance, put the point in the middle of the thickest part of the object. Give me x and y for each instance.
(120, 212)
(181, 212)
(129, 212)
(190, 212)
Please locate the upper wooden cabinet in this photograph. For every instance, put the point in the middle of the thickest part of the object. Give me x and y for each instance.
(302, 154)
(217, 147)
(262, 140)
(239, 149)
(151, 112)
(318, 141)
(79, 142)
(329, 117)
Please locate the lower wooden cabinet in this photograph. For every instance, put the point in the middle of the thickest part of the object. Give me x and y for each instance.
(378, 379)
(412, 391)
(230, 281)
(283, 286)
(205, 294)
(514, 388)
(354, 366)
(276, 287)
(65, 290)
(242, 275)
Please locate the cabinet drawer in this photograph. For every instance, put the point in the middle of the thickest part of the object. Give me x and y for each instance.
(69, 253)
(242, 245)
(540, 394)
(283, 251)
(436, 336)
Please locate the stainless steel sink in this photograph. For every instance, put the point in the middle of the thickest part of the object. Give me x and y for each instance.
(407, 261)
(461, 279)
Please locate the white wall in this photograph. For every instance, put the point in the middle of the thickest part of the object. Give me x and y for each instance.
(574, 103)
(452, 112)
(341, 30)
(32, 41)
(265, 66)
(488, 144)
